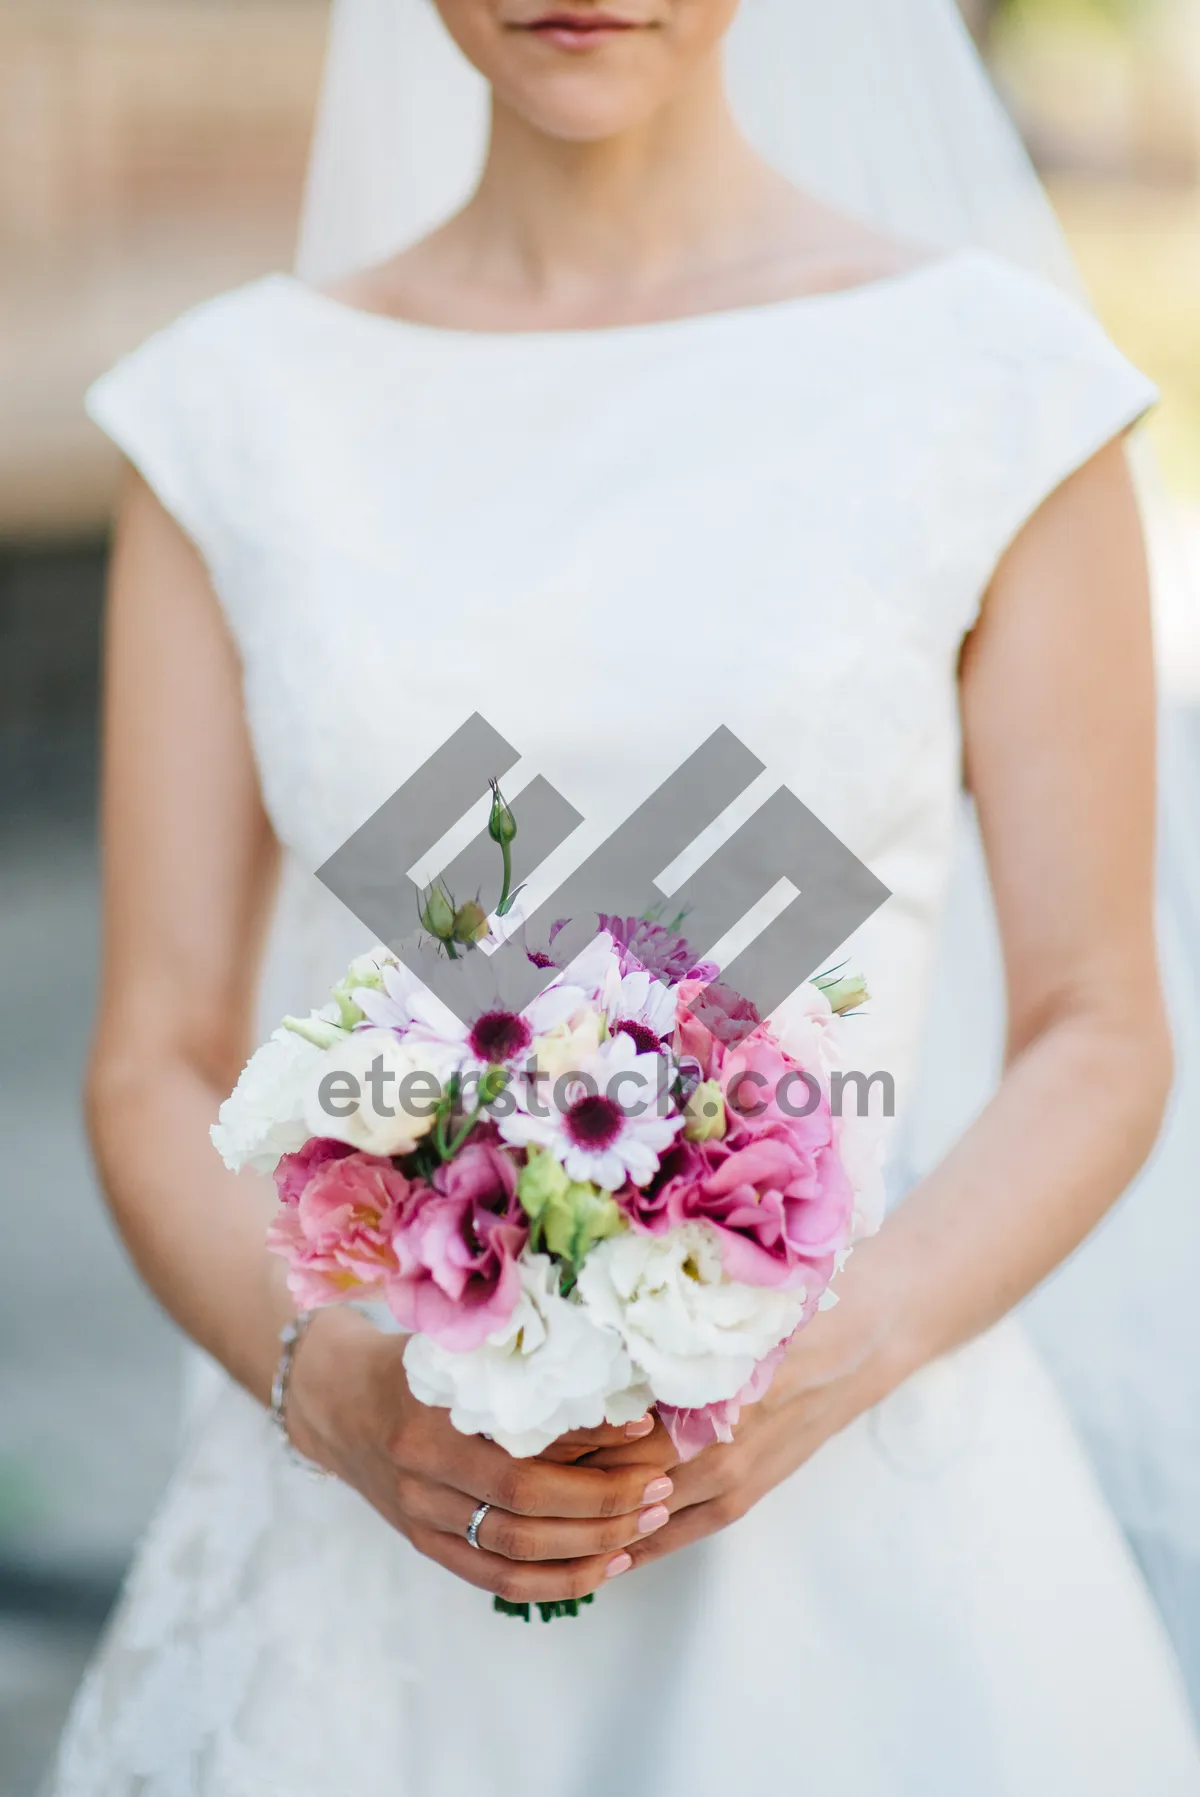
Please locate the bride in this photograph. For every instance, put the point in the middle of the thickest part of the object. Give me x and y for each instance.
(640, 439)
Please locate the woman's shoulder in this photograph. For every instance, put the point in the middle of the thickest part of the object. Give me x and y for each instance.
(995, 323)
(1041, 347)
(230, 324)
(182, 405)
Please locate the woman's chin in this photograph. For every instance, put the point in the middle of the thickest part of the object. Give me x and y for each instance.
(581, 105)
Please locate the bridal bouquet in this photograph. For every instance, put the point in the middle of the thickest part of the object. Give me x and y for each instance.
(631, 1193)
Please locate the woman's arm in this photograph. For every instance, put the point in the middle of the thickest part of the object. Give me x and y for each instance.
(189, 872)
(189, 865)
(1059, 730)
(1058, 717)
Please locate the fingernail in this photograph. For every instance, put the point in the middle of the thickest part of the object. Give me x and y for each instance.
(657, 1490)
(650, 1520)
(616, 1567)
(643, 1426)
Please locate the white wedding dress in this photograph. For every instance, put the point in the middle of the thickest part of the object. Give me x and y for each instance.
(609, 543)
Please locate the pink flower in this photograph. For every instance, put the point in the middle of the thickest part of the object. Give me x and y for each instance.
(692, 1431)
(775, 1188)
(709, 1018)
(643, 944)
(335, 1227)
(456, 1246)
(652, 1207)
(295, 1170)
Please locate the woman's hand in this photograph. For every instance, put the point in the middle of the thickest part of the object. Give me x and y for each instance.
(556, 1530)
(845, 1360)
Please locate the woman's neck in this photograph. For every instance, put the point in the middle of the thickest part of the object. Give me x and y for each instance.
(660, 203)
(678, 215)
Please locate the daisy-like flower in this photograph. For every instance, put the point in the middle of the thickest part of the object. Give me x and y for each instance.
(497, 1038)
(600, 1119)
(401, 1002)
(639, 1006)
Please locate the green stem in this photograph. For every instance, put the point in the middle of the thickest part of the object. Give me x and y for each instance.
(462, 1135)
(567, 1606)
(506, 885)
(439, 1129)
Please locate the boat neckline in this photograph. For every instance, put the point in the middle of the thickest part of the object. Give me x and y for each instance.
(823, 299)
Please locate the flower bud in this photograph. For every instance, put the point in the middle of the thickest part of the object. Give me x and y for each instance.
(491, 1085)
(470, 923)
(846, 994)
(542, 1180)
(320, 1031)
(570, 1217)
(438, 915)
(705, 1113)
(502, 825)
(364, 971)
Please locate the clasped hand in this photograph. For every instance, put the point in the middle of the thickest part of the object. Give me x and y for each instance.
(598, 1502)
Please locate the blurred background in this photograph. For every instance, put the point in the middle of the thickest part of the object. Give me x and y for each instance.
(152, 154)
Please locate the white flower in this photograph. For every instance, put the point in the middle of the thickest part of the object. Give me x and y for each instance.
(497, 1038)
(550, 1369)
(809, 1030)
(402, 1002)
(642, 1004)
(376, 1092)
(817, 1037)
(693, 1334)
(592, 968)
(861, 1142)
(564, 1047)
(263, 1117)
(599, 1118)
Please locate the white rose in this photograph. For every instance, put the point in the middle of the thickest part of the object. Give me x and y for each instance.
(693, 1334)
(263, 1117)
(568, 1046)
(550, 1369)
(358, 1092)
(861, 1142)
(811, 1032)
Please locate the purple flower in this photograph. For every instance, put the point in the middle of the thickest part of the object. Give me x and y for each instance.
(641, 943)
(499, 1037)
(774, 1187)
(456, 1249)
(680, 1169)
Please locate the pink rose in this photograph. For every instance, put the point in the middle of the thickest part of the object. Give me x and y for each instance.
(335, 1227)
(456, 1248)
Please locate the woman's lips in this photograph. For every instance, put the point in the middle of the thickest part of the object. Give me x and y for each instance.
(578, 31)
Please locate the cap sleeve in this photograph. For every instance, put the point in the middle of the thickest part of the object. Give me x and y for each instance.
(1048, 389)
(174, 407)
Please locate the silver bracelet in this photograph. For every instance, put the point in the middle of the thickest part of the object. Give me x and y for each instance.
(290, 1337)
